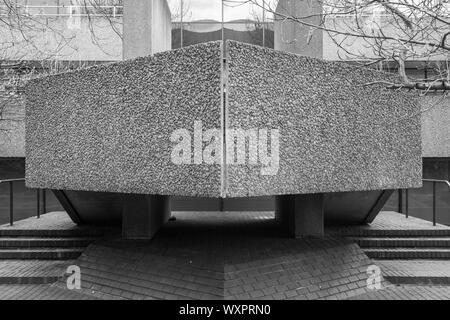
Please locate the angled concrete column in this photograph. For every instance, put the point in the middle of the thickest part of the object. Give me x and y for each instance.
(301, 215)
(143, 215)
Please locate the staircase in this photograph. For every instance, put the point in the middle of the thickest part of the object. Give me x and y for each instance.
(43, 244)
(40, 257)
(405, 244)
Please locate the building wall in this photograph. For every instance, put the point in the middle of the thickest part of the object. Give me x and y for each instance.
(294, 37)
(147, 28)
(93, 40)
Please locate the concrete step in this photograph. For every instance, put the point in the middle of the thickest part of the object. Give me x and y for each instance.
(408, 253)
(41, 253)
(31, 242)
(408, 242)
(416, 272)
(56, 233)
(438, 232)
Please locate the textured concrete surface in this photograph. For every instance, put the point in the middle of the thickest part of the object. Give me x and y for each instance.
(435, 128)
(108, 128)
(12, 124)
(335, 133)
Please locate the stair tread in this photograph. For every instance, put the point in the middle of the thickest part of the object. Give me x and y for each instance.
(431, 249)
(47, 238)
(399, 238)
(42, 249)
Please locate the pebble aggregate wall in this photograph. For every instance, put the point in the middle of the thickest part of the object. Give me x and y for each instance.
(335, 134)
(108, 127)
(12, 125)
(435, 126)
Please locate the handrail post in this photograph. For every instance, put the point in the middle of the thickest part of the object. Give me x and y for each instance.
(406, 203)
(38, 202)
(44, 201)
(11, 203)
(400, 200)
(434, 203)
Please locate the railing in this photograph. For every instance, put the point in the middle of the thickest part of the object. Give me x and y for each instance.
(62, 10)
(11, 182)
(434, 182)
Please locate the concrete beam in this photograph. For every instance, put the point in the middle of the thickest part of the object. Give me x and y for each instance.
(143, 215)
(301, 215)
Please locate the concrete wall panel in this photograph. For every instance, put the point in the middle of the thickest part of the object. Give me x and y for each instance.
(107, 128)
(335, 133)
(435, 125)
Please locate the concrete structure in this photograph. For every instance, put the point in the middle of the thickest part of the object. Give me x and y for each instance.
(296, 38)
(147, 28)
(435, 128)
(12, 125)
(120, 121)
(435, 112)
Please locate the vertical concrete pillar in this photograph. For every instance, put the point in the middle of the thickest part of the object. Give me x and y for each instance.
(147, 28)
(143, 215)
(301, 215)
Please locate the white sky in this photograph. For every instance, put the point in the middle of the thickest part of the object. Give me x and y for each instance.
(212, 9)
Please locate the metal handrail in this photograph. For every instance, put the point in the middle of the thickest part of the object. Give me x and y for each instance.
(11, 199)
(434, 182)
(116, 11)
(438, 181)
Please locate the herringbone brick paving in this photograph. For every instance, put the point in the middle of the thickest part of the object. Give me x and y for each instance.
(225, 256)
(32, 271)
(407, 292)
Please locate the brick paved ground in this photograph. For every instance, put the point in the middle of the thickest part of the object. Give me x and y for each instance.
(41, 292)
(51, 224)
(389, 221)
(32, 271)
(48, 221)
(217, 255)
(407, 292)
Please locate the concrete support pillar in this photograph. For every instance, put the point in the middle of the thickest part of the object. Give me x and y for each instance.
(301, 215)
(143, 215)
